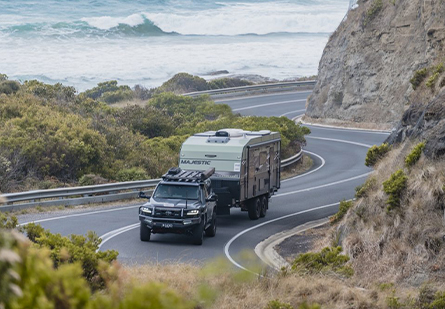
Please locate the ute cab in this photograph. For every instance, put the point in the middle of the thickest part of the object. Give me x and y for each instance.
(183, 203)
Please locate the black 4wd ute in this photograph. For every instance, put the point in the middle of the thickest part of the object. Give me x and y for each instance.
(183, 203)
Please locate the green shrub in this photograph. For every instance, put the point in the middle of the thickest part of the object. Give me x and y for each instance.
(438, 302)
(183, 83)
(372, 12)
(3, 77)
(343, 209)
(394, 187)
(9, 87)
(328, 260)
(117, 96)
(73, 249)
(7, 222)
(414, 155)
(375, 153)
(28, 279)
(91, 180)
(418, 77)
(364, 189)
(132, 174)
(221, 83)
(276, 304)
(431, 81)
(306, 306)
(56, 93)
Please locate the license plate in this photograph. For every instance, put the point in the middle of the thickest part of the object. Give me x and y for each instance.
(167, 225)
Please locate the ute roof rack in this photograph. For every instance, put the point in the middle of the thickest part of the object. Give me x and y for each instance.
(177, 174)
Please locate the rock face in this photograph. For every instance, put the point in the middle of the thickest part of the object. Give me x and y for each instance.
(365, 71)
(424, 122)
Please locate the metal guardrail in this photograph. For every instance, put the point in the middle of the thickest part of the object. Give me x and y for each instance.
(255, 89)
(90, 194)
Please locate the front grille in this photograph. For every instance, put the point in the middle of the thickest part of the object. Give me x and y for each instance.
(167, 213)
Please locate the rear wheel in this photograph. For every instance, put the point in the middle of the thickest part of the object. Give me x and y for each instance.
(254, 208)
(211, 230)
(145, 232)
(198, 234)
(264, 205)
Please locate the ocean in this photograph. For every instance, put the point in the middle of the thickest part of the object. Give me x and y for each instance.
(84, 42)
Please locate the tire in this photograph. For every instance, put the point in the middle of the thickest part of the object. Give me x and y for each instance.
(145, 232)
(211, 230)
(254, 208)
(264, 205)
(198, 234)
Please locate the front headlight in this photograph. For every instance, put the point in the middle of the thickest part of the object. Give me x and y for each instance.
(193, 212)
(146, 210)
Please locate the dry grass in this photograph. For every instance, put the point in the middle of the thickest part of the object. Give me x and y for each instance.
(348, 124)
(298, 168)
(232, 289)
(404, 245)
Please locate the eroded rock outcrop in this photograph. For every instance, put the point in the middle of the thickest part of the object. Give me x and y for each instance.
(365, 71)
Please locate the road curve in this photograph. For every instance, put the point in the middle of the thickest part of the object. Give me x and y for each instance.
(338, 157)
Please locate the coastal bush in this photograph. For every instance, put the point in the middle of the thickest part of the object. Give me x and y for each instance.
(9, 86)
(3, 77)
(108, 92)
(221, 83)
(276, 304)
(431, 81)
(55, 93)
(373, 10)
(183, 83)
(91, 179)
(131, 174)
(364, 189)
(375, 153)
(394, 187)
(8, 222)
(414, 155)
(418, 77)
(73, 249)
(54, 143)
(147, 120)
(123, 94)
(29, 279)
(328, 260)
(342, 210)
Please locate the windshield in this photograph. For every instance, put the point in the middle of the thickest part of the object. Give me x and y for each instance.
(176, 192)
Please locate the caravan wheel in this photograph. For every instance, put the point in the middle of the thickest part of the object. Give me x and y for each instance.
(254, 208)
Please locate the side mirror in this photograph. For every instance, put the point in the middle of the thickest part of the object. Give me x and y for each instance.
(142, 195)
(212, 198)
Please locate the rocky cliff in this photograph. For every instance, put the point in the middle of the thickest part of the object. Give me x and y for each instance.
(382, 58)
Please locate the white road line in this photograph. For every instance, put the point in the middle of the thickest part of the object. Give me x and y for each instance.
(267, 104)
(227, 246)
(261, 96)
(106, 237)
(297, 111)
(78, 215)
(322, 186)
(323, 162)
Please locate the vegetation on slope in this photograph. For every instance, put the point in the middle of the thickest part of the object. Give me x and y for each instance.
(51, 137)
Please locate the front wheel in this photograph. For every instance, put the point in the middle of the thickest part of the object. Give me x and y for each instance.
(211, 230)
(145, 232)
(198, 234)
(254, 208)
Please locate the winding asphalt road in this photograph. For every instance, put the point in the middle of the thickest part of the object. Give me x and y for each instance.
(338, 157)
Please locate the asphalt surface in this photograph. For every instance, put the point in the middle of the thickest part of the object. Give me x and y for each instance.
(338, 168)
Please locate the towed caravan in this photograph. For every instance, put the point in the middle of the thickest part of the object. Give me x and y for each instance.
(247, 167)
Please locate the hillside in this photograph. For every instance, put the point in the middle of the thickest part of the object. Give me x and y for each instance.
(384, 56)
